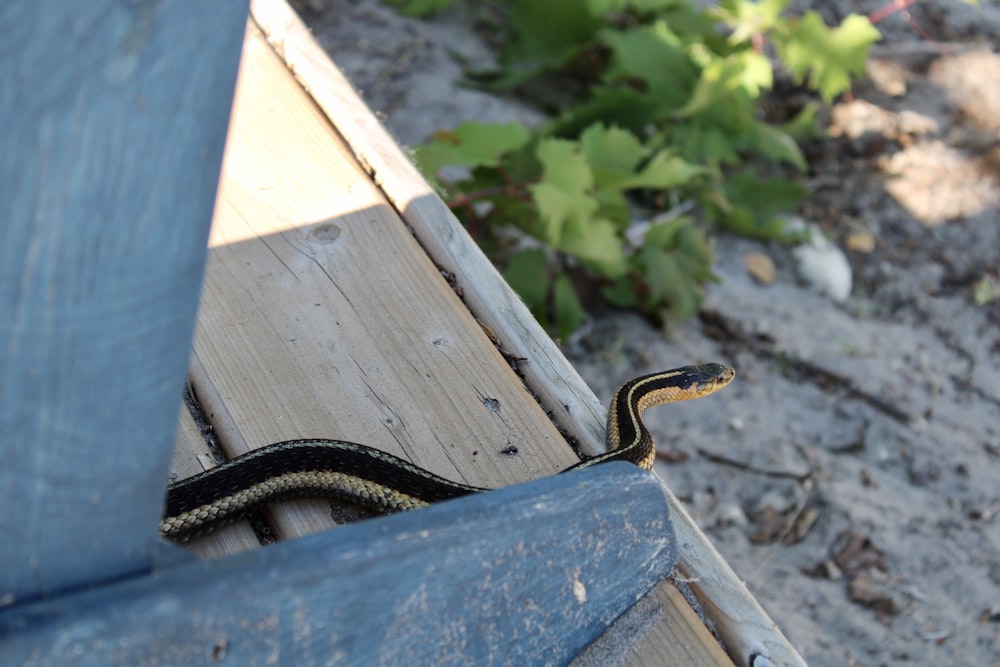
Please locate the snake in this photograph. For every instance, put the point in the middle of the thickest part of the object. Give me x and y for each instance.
(383, 483)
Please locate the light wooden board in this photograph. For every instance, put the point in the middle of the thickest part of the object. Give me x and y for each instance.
(659, 630)
(322, 317)
(749, 635)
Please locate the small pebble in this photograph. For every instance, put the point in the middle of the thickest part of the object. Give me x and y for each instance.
(760, 267)
(824, 267)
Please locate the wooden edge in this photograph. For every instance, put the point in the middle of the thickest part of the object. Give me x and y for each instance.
(655, 632)
(748, 633)
(453, 583)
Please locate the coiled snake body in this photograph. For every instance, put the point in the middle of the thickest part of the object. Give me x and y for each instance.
(386, 483)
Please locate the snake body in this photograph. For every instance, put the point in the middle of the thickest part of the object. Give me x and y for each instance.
(386, 483)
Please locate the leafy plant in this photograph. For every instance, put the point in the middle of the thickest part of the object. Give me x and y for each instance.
(659, 111)
(987, 290)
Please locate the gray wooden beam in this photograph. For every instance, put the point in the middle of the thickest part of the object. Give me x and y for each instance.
(528, 574)
(113, 120)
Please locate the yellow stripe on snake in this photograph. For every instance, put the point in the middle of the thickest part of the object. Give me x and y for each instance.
(386, 483)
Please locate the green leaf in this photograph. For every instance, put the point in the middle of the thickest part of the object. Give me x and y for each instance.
(665, 170)
(669, 283)
(656, 5)
(563, 165)
(622, 293)
(751, 206)
(764, 195)
(569, 311)
(545, 35)
(827, 57)
(563, 195)
(527, 273)
(420, 8)
(805, 126)
(600, 7)
(612, 153)
(696, 250)
(750, 18)
(596, 243)
(747, 71)
(470, 145)
(772, 142)
(674, 260)
(666, 272)
(656, 56)
(508, 212)
(610, 105)
(613, 205)
(665, 234)
(704, 144)
(555, 208)
(987, 290)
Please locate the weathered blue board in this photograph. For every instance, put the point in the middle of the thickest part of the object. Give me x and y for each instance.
(113, 119)
(525, 575)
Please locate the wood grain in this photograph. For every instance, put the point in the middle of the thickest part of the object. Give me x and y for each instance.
(322, 317)
(458, 583)
(550, 375)
(112, 120)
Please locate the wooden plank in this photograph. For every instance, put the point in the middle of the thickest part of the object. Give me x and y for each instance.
(656, 631)
(322, 317)
(750, 636)
(486, 294)
(457, 583)
(112, 120)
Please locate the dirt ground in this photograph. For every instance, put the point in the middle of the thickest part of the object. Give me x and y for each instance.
(851, 475)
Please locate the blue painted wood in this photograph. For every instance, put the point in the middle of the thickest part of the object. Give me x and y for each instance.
(524, 575)
(113, 119)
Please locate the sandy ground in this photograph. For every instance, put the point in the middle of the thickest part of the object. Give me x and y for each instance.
(852, 474)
